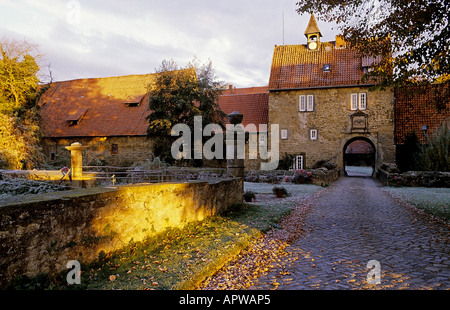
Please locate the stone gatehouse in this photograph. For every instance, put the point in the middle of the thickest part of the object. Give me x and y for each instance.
(317, 98)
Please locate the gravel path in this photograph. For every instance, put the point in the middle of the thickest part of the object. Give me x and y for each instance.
(351, 223)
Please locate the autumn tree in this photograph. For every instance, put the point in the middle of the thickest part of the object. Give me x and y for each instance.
(19, 113)
(176, 97)
(411, 35)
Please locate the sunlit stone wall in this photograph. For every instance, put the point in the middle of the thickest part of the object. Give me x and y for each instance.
(41, 233)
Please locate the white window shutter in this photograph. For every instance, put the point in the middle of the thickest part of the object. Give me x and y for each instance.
(362, 101)
(302, 104)
(310, 103)
(354, 102)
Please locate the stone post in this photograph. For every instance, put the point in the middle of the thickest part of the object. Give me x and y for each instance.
(76, 161)
(235, 166)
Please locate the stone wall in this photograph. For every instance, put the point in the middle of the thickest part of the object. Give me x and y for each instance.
(321, 176)
(324, 177)
(415, 178)
(331, 118)
(41, 233)
(130, 150)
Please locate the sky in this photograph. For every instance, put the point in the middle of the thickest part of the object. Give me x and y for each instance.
(93, 38)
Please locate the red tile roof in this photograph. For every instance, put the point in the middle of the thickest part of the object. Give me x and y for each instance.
(253, 103)
(294, 67)
(103, 107)
(102, 104)
(419, 106)
(245, 91)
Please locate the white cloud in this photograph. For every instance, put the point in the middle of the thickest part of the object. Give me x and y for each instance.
(133, 36)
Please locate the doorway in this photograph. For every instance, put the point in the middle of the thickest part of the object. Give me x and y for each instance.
(359, 157)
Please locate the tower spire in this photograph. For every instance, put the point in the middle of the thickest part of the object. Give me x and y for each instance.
(313, 34)
(312, 27)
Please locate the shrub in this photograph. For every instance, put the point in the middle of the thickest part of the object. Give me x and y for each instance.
(249, 196)
(286, 162)
(288, 178)
(302, 177)
(325, 164)
(252, 177)
(390, 168)
(280, 191)
(436, 155)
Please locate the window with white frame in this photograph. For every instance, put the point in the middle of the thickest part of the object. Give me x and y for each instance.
(313, 134)
(302, 103)
(310, 103)
(362, 101)
(354, 102)
(306, 103)
(298, 162)
(358, 101)
(284, 134)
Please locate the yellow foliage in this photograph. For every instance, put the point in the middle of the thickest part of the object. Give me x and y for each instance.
(443, 78)
(19, 129)
(12, 145)
(160, 124)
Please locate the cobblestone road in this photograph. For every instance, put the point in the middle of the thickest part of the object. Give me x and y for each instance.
(353, 222)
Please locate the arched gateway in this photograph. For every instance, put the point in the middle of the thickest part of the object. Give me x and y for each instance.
(359, 157)
(318, 100)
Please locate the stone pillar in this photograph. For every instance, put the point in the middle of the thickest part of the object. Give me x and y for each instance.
(235, 166)
(76, 161)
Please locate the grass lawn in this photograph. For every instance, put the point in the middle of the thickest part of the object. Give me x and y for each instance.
(435, 201)
(182, 258)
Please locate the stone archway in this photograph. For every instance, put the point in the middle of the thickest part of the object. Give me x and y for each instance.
(359, 157)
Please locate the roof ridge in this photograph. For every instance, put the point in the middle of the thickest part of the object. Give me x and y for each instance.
(250, 94)
(118, 76)
(106, 77)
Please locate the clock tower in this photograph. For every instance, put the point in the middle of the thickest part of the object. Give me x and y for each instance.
(313, 34)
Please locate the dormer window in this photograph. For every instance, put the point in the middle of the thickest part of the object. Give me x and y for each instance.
(327, 68)
(133, 101)
(76, 116)
(133, 104)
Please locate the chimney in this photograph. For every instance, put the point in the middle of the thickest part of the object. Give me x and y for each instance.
(230, 88)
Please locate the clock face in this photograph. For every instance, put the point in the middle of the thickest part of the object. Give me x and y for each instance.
(312, 45)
